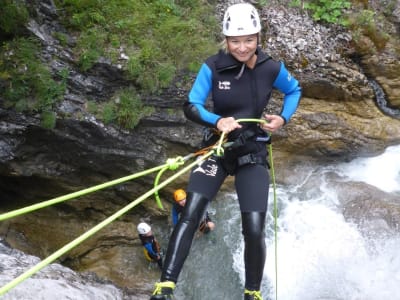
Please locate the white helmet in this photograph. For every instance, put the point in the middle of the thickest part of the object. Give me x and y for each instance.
(143, 228)
(241, 19)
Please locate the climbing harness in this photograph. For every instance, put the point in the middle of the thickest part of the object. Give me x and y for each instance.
(216, 149)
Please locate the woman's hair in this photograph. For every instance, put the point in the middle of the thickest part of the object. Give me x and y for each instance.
(224, 45)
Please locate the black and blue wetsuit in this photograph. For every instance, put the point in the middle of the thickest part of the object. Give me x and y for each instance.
(240, 95)
(152, 248)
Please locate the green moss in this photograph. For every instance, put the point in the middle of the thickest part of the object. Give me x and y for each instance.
(329, 11)
(13, 16)
(28, 83)
(160, 37)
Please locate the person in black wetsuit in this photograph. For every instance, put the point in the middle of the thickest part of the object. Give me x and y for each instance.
(151, 247)
(206, 224)
(240, 79)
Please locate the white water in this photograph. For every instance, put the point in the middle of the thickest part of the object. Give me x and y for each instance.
(382, 171)
(320, 255)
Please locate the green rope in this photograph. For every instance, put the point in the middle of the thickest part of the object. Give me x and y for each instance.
(172, 164)
(275, 214)
(95, 229)
(92, 189)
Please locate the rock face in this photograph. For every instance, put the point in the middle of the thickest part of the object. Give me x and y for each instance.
(338, 119)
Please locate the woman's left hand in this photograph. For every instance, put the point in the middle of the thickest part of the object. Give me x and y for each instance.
(274, 122)
(227, 125)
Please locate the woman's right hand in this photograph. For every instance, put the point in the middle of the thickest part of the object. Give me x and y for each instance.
(227, 125)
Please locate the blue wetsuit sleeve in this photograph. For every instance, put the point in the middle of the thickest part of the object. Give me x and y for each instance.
(199, 93)
(175, 216)
(291, 89)
(150, 250)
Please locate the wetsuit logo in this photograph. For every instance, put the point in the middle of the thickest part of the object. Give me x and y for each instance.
(210, 168)
(224, 85)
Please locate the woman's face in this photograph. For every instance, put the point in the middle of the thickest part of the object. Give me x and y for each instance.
(242, 47)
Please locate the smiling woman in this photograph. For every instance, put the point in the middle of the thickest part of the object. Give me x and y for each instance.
(243, 48)
(240, 79)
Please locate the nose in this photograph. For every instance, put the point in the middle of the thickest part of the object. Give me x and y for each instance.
(242, 47)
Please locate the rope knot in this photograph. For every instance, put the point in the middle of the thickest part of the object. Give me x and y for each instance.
(174, 163)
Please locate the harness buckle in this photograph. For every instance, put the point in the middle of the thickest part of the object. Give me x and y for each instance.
(247, 159)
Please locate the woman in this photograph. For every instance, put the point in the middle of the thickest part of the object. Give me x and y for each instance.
(240, 79)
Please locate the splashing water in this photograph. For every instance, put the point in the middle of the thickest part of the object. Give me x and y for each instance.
(382, 171)
(320, 255)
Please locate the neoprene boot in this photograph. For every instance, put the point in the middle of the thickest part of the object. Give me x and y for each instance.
(163, 291)
(252, 295)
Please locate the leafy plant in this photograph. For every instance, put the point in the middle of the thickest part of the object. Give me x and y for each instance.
(330, 11)
(160, 37)
(29, 85)
(125, 109)
(13, 16)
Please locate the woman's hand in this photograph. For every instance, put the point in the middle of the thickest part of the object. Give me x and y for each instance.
(227, 125)
(274, 122)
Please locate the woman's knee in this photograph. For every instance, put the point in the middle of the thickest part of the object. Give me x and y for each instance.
(253, 225)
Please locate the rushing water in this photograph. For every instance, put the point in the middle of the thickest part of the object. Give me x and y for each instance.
(320, 256)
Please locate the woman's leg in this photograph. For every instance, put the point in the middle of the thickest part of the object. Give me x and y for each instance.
(252, 185)
(204, 183)
(182, 236)
(254, 248)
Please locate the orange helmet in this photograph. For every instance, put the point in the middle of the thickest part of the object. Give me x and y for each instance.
(179, 195)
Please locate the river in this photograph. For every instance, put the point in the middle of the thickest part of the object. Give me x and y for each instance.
(320, 255)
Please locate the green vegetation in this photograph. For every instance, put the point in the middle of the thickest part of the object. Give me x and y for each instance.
(125, 109)
(29, 86)
(330, 11)
(13, 16)
(366, 34)
(355, 15)
(160, 37)
(154, 40)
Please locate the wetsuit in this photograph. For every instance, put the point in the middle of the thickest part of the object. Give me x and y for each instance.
(177, 211)
(239, 95)
(152, 248)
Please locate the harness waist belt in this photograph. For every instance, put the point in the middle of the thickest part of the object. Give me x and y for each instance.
(250, 159)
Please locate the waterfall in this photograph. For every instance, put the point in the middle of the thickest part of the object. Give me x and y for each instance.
(320, 256)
